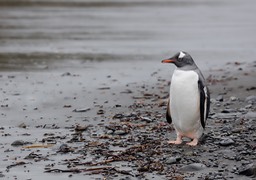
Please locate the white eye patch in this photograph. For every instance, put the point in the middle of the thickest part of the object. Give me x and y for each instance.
(181, 54)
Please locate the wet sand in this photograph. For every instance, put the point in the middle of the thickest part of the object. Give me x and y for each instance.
(104, 61)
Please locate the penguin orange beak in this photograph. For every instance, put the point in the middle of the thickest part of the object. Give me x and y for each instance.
(167, 61)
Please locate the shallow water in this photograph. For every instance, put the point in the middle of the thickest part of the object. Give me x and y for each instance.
(39, 34)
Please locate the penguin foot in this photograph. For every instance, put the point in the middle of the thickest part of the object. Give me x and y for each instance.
(193, 143)
(177, 141)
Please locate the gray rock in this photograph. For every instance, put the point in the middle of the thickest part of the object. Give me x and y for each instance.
(172, 160)
(233, 98)
(63, 148)
(146, 119)
(82, 110)
(120, 132)
(248, 170)
(227, 115)
(227, 142)
(219, 98)
(22, 125)
(251, 99)
(250, 115)
(228, 110)
(193, 167)
(109, 132)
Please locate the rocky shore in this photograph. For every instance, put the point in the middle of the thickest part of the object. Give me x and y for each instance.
(118, 131)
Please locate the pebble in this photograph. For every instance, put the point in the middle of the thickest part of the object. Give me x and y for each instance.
(172, 160)
(22, 125)
(109, 132)
(219, 98)
(250, 115)
(193, 167)
(120, 132)
(249, 170)
(228, 110)
(146, 119)
(100, 111)
(82, 110)
(227, 142)
(18, 143)
(251, 99)
(233, 98)
(118, 116)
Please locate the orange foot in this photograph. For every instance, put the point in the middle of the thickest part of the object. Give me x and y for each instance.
(193, 143)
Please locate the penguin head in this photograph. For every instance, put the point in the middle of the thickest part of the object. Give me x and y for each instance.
(181, 59)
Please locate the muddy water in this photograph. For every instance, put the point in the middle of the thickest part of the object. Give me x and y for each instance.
(42, 33)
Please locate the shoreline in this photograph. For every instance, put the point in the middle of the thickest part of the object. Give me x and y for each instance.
(39, 107)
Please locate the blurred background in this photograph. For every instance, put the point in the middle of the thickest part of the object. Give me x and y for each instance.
(41, 34)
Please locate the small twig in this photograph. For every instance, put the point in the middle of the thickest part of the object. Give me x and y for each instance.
(90, 163)
(17, 164)
(76, 170)
(63, 171)
(96, 170)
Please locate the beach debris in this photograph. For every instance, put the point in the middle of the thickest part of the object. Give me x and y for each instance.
(19, 163)
(96, 170)
(67, 106)
(220, 98)
(127, 91)
(38, 146)
(193, 167)
(248, 170)
(18, 143)
(82, 109)
(104, 88)
(66, 74)
(100, 111)
(172, 160)
(146, 119)
(227, 142)
(64, 148)
(22, 125)
(36, 157)
(80, 128)
(251, 99)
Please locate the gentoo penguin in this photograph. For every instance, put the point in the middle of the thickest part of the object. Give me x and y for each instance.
(189, 100)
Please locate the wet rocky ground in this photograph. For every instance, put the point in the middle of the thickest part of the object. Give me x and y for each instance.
(127, 138)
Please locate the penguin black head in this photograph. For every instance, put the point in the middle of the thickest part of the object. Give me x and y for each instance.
(181, 59)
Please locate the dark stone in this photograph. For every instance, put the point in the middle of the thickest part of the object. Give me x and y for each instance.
(248, 170)
(219, 98)
(18, 143)
(172, 160)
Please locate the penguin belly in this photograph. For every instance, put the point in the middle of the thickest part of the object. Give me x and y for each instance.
(185, 103)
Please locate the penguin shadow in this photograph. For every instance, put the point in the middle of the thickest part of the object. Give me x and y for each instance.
(203, 139)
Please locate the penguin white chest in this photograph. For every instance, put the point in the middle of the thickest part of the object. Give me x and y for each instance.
(185, 101)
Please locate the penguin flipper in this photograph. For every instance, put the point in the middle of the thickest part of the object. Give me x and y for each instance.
(168, 113)
(204, 102)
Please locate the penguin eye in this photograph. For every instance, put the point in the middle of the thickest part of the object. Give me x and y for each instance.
(179, 59)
